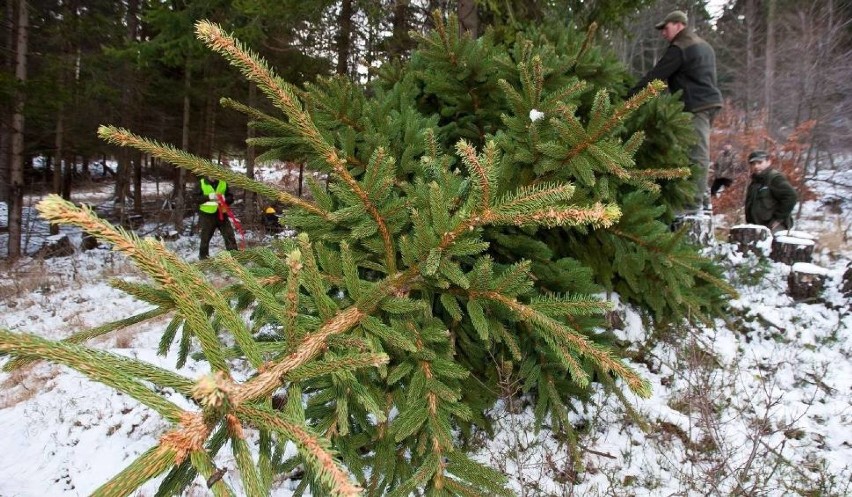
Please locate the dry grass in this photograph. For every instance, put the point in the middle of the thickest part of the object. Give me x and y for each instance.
(25, 383)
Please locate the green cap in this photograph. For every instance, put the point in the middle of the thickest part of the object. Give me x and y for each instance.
(757, 155)
(674, 16)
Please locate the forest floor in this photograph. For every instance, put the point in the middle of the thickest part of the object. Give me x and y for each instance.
(759, 403)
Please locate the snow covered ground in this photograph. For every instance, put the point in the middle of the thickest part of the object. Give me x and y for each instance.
(757, 404)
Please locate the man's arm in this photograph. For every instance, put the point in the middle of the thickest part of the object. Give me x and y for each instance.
(785, 197)
(664, 68)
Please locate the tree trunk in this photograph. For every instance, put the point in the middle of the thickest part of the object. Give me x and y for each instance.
(137, 182)
(5, 114)
(16, 166)
(769, 71)
(806, 282)
(209, 127)
(57, 161)
(400, 41)
(468, 18)
(791, 249)
(179, 186)
(122, 183)
(751, 26)
(344, 37)
(751, 238)
(252, 206)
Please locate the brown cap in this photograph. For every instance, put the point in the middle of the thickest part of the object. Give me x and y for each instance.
(674, 16)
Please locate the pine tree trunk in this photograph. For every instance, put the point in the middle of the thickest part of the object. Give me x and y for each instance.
(57, 161)
(769, 72)
(344, 37)
(179, 184)
(124, 170)
(400, 41)
(751, 12)
(137, 184)
(5, 114)
(468, 18)
(16, 167)
(252, 208)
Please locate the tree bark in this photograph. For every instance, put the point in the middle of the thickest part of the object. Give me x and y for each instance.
(344, 37)
(468, 18)
(124, 170)
(769, 71)
(751, 27)
(5, 114)
(401, 41)
(251, 198)
(179, 187)
(137, 182)
(16, 166)
(57, 161)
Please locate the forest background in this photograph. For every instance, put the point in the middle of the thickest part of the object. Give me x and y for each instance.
(68, 66)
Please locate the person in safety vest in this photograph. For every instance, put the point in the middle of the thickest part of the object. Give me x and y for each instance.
(214, 201)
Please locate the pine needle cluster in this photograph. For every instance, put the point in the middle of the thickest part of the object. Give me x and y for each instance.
(460, 236)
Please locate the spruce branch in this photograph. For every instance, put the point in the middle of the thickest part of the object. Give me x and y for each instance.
(147, 466)
(346, 363)
(717, 282)
(597, 216)
(203, 464)
(575, 341)
(587, 44)
(97, 331)
(189, 438)
(256, 69)
(315, 450)
(202, 167)
(291, 296)
(605, 128)
(181, 280)
(481, 168)
(248, 471)
(269, 378)
(89, 363)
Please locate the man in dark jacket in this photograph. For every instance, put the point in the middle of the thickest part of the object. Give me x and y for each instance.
(214, 199)
(724, 170)
(689, 65)
(770, 197)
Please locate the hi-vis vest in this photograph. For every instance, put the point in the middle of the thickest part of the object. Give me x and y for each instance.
(211, 206)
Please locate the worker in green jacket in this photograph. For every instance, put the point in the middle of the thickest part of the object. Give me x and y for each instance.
(214, 201)
(689, 65)
(770, 197)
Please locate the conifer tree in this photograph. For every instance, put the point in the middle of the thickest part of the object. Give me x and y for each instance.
(479, 199)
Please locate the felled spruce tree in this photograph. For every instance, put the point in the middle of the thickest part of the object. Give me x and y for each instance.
(450, 246)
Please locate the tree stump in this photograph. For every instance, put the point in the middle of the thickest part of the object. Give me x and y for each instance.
(806, 281)
(753, 238)
(88, 242)
(167, 234)
(55, 246)
(698, 228)
(792, 249)
(847, 281)
(135, 221)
